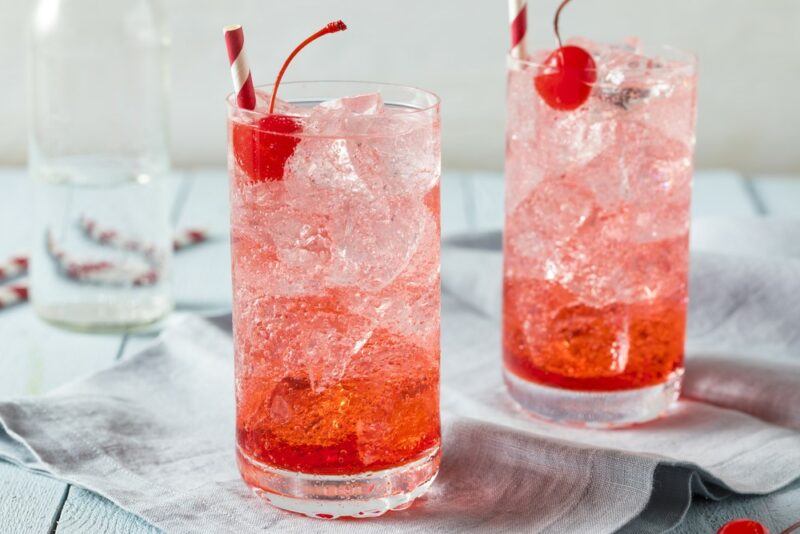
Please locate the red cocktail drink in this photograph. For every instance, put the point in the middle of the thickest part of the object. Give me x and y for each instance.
(335, 249)
(596, 238)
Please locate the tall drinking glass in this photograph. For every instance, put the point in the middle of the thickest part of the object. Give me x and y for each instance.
(596, 239)
(335, 249)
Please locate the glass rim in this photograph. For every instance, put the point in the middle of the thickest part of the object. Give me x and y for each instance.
(685, 59)
(230, 99)
(249, 117)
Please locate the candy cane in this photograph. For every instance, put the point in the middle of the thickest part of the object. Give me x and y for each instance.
(518, 25)
(13, 267)
(189, 237)
(17, 266)
(105, 236)
(13, 294)
(112, 238)
(95, 272)
(102, 272)
(240, 71)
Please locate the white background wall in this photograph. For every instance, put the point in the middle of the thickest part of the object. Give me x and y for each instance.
(749, 54)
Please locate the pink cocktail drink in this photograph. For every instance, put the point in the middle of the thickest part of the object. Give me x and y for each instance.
(596, 237)
(335, 248)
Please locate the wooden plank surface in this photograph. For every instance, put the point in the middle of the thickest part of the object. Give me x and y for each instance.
(720, 193)
(29, 503)
(85, 512)
(34, 356)
(454, 204)
(484, 201)
(203, 273)
(780, 195)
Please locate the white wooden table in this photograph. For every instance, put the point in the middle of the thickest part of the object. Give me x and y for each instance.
(36, 357)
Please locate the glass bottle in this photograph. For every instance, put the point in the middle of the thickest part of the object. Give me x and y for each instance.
(98, 158)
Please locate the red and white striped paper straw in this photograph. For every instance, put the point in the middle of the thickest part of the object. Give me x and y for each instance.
(13, 294)
(240, 70)
(518, 26)
(102, 272)
(106, 236)
(187, 238)
(112, 238)
(17, 266)
(13, 267)
(96, 272)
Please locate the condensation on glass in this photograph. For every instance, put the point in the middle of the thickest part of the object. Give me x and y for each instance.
(335, 253)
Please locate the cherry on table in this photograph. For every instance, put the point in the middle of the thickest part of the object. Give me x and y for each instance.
(743, 526)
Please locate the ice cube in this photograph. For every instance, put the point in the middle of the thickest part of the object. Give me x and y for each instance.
(659, 173)
(526, 172)
(262, 101)
(399, 156)
(281, 106)
(629, 79)
(407, 306)
(277, 248)
(321, 177)
(348, 116)
(657, 269)
(389, 150)
(369, 186)
(587, 341)
(316, 334)
(302, 244)
(373, 244)
(569, 140)
(366, 104)
(624, 97)
(551, 214)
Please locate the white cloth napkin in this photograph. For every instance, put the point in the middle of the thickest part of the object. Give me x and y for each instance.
(155, 433)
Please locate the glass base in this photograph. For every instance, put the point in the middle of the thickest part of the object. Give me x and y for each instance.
(332, 496)
(104, 317)
(595, 409)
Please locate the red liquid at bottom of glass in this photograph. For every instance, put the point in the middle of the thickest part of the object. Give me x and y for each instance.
(615, 347)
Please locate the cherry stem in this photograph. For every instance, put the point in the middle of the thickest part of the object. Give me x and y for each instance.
(331, 27)
(555, 22)
(792, 528)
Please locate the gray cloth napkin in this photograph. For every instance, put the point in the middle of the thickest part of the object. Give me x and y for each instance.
(155, 433)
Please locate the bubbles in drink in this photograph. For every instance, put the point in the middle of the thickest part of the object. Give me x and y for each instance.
(337, 292)
(596, 252)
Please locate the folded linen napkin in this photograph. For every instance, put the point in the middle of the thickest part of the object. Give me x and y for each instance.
(155, 433)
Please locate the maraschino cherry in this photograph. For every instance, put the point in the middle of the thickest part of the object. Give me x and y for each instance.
(262, 151)
(743, 526)
(566, 78)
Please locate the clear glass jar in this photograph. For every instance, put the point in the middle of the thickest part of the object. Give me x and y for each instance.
(98, 158)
